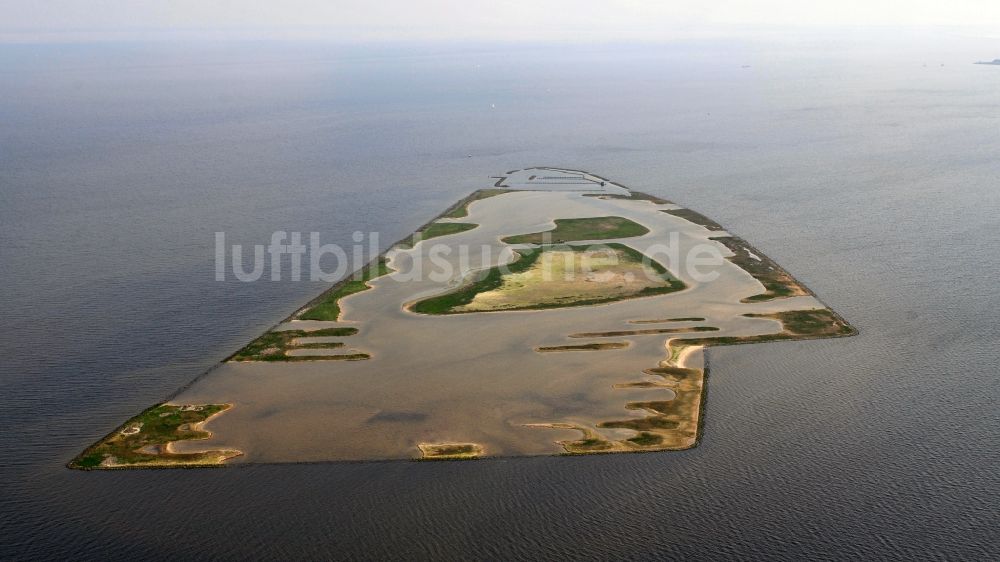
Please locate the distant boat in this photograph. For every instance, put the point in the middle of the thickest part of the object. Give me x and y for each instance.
(994, 61)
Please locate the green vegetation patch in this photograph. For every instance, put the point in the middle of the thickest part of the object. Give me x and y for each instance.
(339, 357)
(777, 282)
(634, 195)
(666, 416)
(620, 333)
(320, 345)
(665, 320)
(271, 346)
(821, 322)
(649, 423)
(695, 217)
(798, 325)
(461, 209)
(641, 196)
(143, 440)
(327, 306)
(449, 451)
(595, 346)
(646, 439)
(487, 280)
(673, 373)
(587, 445)
(592, 228)
(640, 384)
(493, 279)
(445, 228)
(435, 230)
(664, 407)
(670, 423)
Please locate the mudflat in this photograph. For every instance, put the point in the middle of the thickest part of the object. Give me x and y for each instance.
(575, 325)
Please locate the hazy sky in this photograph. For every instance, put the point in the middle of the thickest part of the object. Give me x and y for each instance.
(462, 19)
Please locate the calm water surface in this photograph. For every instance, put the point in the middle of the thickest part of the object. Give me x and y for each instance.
(873, 179)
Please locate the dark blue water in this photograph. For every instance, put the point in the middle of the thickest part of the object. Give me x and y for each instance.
(870, 172)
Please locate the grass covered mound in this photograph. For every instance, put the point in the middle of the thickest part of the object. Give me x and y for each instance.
(144, 441)
(327, 306)
(557, 277)
(571, 230)
(272, 346)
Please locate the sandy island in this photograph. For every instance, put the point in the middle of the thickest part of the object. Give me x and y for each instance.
(490, 360)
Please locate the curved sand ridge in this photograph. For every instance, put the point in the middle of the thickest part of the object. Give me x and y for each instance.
(475, 379)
